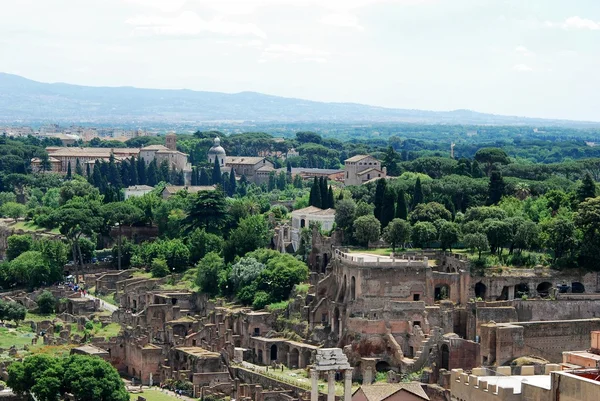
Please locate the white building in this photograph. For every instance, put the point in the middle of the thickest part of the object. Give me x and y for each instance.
(362, 168)
(137, 190)
(302, 218)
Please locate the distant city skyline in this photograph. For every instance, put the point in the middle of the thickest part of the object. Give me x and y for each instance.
(537, 58)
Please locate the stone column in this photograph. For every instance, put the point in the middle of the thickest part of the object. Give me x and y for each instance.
(348, 385)
(331, 385)
(367, 376)
(314, 389)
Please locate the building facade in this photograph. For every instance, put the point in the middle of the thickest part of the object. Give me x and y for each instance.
(362, 168)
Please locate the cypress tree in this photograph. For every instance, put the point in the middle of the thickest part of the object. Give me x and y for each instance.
(388, 208)
(232, 183)
(133, 175)
(114, 178)
(272, 182)
(194, 175)
(88, 173)
(587, 189)
(281, 181)
(216, 173)
(180, 178)
(165, 172)
(97, 177)
(401, 209)
(330, 199)
(152, 174)
(417, 194)
(78, 168)
(379, 194)
(324, 199)
(68, 177)
(141, 171)
(298, 181)
(289, 167)
(496, 188)
(225, 183)
(125, 174)
(203, 180)
(315, 194)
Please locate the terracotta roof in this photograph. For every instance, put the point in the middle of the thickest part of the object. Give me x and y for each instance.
(155, 147)
(266, 168)
(382, 391)
(356, 158)
(249, 160)
(368, 171)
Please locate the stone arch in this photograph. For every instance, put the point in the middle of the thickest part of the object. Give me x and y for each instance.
(336, 321)
(503, 295)
(382, 366)
(274, 352)
(307, 356)
(260, 356)
(543, 289)
(325, 263)
(442, 291)
(480, 290)
(302, 223)
(342, 294)
(445, 356)
(294, 361)
(521, 289)
(352, 288)
(577, 287)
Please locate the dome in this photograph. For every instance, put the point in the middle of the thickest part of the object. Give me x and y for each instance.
(216, 149)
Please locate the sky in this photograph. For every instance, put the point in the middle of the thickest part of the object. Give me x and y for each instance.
(536, 58)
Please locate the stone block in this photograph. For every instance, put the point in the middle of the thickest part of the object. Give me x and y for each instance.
(527, 370)
(551, 367)
(479, 371)
(503, 371)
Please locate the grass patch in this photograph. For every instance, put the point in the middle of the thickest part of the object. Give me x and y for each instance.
(39, 318)
(302, 288)
(278, 305)
(141, 274)
(31, 227)
(153, 395)
(109, 298)
(18, 337)
(377, 251)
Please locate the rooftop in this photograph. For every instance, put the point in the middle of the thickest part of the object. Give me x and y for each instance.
(356, 158)
(191, 189)
(90, 350)
(381, 391)
(314, 211)
(198, 351)
(515, 382)
(248, 160)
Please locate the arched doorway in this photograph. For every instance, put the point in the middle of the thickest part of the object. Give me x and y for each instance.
(336, 321)
(307, 358)
(503, 295)
(521, 290)
(294, 359)
(577, 288)
(382, 366)
(352, 288)
(260, 356)
(274, 352)
(342, 295)
(445, 357)
(543, 289)
(480, 290)
(325, 262)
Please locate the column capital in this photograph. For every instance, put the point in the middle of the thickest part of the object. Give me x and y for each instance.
(314, 373)
(331, 373)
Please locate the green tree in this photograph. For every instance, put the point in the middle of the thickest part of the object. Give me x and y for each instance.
(388, 208)
(159, 268)
(209, 269)
(423, 234)
(330, 198)
(245, 272)
(232, 184)
(18, 244)
(449, 234)
(152, 174)
(93, 379)
(587, 188)
(366, 229)
(200, 242)
(345, 214)
(380, 190)
(496, 189)
(251, 234)
(499, 234)
(216, 173)
(390, 161)
(315, 194)
(46, 303)
(13, 210)
(490, 157)
(203, 180)
(429, 212)
(587, 220)
(208, 210)
(32, 269)
(141, 171)
(476, 242)
(397, 232)
(417, 193)
(78, 168)
(364, 209)
(401, 208)
(120, 214)
(527, 236)
(69, 175)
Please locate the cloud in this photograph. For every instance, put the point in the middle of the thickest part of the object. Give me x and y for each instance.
(522, 68)
(189, 23)
(293, 53)
(161, 5)
(523, 51)
(575, 23)
(342, 21)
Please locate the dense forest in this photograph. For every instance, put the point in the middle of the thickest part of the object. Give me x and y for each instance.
(508, 197)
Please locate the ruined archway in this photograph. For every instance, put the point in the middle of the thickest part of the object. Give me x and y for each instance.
(325, 263)
(294, 361)
(382, 366)
(260, 356)
(442, 292)
(342, 293)
(503, 295)
(577, 288)
(307, 358)
(445, 356)
(521, 290)
(336, 321)
(543, 289)
(274, 352)
(480, 290)
(352, 288)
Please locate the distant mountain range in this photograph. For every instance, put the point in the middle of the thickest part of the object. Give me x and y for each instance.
(26, 101)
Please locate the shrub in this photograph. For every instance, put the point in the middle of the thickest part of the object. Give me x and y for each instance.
(46, 303)
(261, 300)
(159, 268)
(89, 325)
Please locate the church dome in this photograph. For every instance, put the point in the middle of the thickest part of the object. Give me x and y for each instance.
(216, 149)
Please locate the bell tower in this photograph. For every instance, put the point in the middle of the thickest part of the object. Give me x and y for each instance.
(171, 141)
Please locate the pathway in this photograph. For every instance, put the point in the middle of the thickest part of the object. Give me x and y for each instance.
(103, 304)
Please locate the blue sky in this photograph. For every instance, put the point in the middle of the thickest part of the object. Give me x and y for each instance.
(538, 58)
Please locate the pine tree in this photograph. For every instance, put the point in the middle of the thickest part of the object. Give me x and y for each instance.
(417, 193)
(390, 162)
(68, 177)
(272, 184)
(330, 199)
(194, 176)
(203, 180)
(379, 194)
(152, 174)
(225, 183)
(141, 171)
(281, 181)
(496, 188)
(401, 209)
(125, 174)
(587, 189)
(114, 178)
(216, 173)
(232, 183)
(133, 174)
(298, 181)
(388, 209)
(78, 168)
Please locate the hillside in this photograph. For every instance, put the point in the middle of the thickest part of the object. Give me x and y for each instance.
(26, 101)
